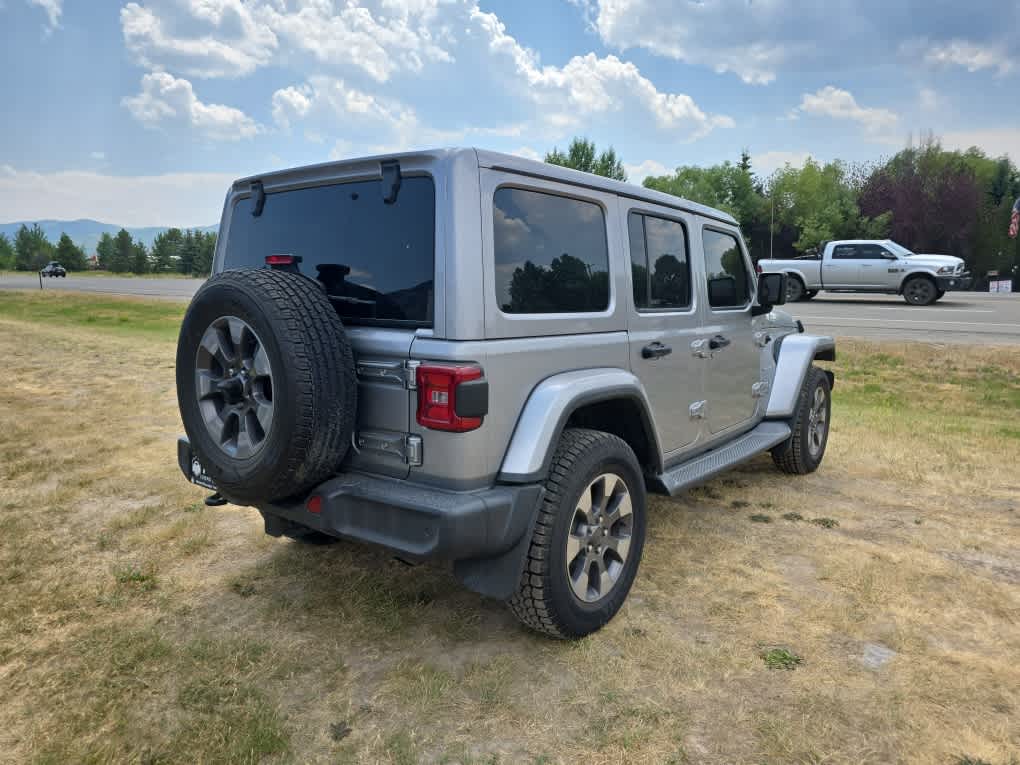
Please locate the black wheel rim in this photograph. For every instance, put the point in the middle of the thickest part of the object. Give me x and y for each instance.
(599, 538)
(919, 291)
(793, 290)
(234, 387)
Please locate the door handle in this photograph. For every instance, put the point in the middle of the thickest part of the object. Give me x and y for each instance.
(718, 342)
(655, 350)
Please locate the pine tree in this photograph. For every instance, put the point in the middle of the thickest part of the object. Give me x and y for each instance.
(189, 251)
(139, 259)
(70, 255)
(32, 250)
(123, 252)
(6, 253)
(105, 251)
(166, 249)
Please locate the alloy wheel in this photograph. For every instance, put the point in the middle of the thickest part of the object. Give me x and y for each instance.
(599, 538)
(234, 383)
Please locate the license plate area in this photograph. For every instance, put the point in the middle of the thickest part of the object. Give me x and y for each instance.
(192, 467)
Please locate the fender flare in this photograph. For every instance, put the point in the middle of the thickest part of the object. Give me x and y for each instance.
(912, 274)
(796, 352)
(550, 405)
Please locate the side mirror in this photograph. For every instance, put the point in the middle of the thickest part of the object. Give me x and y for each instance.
(771, 292)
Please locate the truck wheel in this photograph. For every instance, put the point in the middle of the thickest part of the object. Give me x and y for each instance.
(588, 537)
(810, 294)
(794, 289)
(802, 453)
(920, 290)
(939, 294)
(265, 384)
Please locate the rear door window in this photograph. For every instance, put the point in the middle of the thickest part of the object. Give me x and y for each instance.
(659, 267)
(376, 260)
(845, 252)
(551, 253)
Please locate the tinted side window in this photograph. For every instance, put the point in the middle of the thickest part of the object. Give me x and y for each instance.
(376, 260)
(551, 253)
(660, 268)
(729, 284)
(870, 252)
(845, 252)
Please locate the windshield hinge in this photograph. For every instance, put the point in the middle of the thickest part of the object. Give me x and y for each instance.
(260, 198)
(390, 181)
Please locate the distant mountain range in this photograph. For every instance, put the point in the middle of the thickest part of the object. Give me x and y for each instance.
(85, 233)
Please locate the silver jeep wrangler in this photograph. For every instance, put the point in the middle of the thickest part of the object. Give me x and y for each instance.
(479, 358)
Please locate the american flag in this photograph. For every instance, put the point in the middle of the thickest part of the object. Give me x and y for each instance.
(1014, 220)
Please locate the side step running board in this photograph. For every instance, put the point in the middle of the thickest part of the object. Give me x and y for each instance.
(704, 466)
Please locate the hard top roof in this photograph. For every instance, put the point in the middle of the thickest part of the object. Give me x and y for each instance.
(513, 164)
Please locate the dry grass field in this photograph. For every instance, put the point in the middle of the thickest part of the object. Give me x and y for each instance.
(869, 613)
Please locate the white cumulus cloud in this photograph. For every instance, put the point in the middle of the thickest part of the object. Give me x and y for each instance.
(759, 40)
(232, 44)
(52, 8)
(840, 104)
(165, 99)
(971, 56)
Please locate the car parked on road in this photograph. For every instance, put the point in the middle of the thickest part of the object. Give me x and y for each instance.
(53, 268)
(869, 265)
(480, 358)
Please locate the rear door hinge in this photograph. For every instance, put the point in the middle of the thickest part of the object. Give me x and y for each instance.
(406, 447)
(398, 372)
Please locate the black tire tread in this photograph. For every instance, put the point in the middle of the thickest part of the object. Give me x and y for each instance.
(312, 337)
(792, 456)
(530, 604)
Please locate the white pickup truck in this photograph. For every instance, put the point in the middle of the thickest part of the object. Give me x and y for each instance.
(871, 265)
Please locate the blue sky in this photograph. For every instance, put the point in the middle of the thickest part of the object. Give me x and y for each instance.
(140, 113)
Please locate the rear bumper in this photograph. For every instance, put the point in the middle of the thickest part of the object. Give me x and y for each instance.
(949, 283)
(416, 521)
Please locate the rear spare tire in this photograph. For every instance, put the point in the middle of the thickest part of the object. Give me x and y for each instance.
(265, 384)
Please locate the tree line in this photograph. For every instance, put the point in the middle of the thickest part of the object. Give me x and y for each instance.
(927, 198)
(188, 252)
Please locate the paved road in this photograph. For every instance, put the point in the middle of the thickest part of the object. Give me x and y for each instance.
(172, 289)
(960, 317)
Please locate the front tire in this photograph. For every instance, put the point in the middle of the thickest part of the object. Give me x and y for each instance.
(802, 453)
(588, 537)
(920, 291)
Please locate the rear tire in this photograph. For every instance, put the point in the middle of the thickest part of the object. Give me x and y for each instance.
(802, 453)
(588, 537)
(810, 294)
(265, 383)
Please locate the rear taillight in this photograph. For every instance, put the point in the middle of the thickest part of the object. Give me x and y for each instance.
(451, 397)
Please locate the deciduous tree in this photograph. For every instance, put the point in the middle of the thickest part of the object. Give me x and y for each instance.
(582, 155)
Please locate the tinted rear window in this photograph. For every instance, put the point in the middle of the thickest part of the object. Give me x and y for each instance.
(551, 253)
(377, 260)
